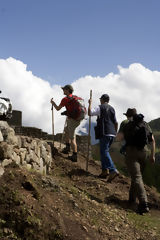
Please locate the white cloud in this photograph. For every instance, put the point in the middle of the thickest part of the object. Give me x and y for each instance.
(135, 86)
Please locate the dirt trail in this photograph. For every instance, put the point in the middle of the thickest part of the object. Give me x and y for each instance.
(72, 204)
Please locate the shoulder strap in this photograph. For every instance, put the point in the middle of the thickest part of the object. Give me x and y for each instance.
(101, 107)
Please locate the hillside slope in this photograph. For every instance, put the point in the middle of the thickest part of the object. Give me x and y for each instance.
(72, 204)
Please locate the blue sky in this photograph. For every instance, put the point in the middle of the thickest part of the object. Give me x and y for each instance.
(63, 40)
(109, 46)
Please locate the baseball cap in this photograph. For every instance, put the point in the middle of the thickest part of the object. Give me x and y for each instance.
(105, 97)
(68, 87)
(130, 112)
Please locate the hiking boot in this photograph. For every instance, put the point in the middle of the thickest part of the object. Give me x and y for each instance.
(132, 198)
(66, 150)
(104, 174)
(131, 201)
(73, 158)
(113, 175)
(143, 208)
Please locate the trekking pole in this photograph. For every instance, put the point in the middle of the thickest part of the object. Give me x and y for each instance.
(89, 136)
(52, 123)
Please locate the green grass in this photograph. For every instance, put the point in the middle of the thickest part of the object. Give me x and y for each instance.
(146, 222)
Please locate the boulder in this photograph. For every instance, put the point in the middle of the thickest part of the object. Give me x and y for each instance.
(8, 133)
(6, 151)
(1, 137)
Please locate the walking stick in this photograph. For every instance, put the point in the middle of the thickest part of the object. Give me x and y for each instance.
(52, 123)
(89, 136)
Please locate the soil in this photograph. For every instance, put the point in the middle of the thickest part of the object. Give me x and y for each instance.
(72, 204)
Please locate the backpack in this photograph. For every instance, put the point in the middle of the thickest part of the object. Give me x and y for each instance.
(5, 108)
(78, 110)
(98, 129)
(137, 133)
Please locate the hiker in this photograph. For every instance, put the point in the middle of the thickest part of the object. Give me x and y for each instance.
(71, 123)
(129, 114)
(137, 134)
(106, 128)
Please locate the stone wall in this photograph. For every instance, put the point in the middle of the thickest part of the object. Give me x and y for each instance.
(82, 143)
(32, 153)
(16, 119)
(16, 123)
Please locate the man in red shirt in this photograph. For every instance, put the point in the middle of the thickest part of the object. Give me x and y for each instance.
(71, 124)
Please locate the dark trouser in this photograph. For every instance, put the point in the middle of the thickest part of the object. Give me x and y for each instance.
(135, 161)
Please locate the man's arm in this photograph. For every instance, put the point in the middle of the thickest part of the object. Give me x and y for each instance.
(120, 134)
(152, 157)
(116, 126)
(55, 105)
(120, 137)
(93, 111)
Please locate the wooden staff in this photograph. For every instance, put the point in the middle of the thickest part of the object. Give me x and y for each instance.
(89, 136)
(52, 123)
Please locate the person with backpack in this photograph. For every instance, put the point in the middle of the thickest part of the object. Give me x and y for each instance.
(75, 112)
(105, 131)
(137, 135)
(129, 114)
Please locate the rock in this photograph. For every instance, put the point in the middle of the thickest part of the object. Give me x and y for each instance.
(23, 153)
(26, 151)
(6, 150)
(16, 158)
(28, 166)
(8, 133)
(1, 137)
(19, 141)
(1, 170)
(6, 162)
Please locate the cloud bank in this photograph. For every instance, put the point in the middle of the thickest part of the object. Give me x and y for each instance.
(135, 86)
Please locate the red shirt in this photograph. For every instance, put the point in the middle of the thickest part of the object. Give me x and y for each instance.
(65, 103)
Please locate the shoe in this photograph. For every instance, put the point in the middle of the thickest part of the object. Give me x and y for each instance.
(66, 150)
(132, 204)
(132, 197)
(104, 174)
(131, 201)
(143, 208)
(113, 175)
(73, 158)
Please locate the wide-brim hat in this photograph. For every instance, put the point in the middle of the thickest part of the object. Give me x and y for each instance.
(130, 112)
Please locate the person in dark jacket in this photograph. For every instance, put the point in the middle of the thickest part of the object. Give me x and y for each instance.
(107, 125)
(136, 157)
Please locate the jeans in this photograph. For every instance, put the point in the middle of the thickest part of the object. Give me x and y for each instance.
(106, 160)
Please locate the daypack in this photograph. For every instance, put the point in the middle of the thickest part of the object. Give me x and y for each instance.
(78, 110)
(5, 108)
(137, 133)
(98, 129)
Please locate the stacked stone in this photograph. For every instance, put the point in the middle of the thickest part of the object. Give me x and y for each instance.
(82, 144)
(30, 152)
(28, 131)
